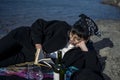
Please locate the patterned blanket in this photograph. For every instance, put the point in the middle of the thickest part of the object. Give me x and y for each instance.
(33, 72)
(27, 70)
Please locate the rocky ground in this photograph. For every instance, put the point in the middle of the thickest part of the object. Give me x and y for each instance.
(107, 46)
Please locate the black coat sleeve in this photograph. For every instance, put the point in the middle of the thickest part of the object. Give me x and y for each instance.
(37, 30)
(91, 58)
(92, 68)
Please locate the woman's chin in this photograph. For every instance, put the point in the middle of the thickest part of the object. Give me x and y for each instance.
(73, 44)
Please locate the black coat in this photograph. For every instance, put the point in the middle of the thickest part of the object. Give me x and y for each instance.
(87, 63)
(53, 35)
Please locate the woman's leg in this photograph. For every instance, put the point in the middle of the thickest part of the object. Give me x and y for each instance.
(8, 49)
(23, 36)
(17, 42)
(14, 59)
(8, 46)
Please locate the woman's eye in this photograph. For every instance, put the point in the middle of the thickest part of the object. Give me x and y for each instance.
(78, 39)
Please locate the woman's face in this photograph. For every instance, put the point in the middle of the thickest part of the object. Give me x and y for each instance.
(74, 38)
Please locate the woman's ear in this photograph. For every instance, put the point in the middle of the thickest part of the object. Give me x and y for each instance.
(68, 32)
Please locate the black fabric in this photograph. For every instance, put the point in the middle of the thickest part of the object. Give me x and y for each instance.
(87, 63)
(21, 41)
(10, 51)
(8, 46)
(11, 78)
(16, 47)
(86, 74)
(14, 59)
(87, 24)
(51, 34)
(23, 36)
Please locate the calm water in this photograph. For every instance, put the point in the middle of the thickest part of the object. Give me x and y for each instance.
(24, 12)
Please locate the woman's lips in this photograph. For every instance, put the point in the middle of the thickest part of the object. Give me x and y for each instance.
(71, 42)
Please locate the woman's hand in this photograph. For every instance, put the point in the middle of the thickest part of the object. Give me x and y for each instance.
(38, 49)
(38, 46)
(82, 45)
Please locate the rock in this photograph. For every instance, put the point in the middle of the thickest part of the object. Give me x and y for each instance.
(112, 2)
(119, 4)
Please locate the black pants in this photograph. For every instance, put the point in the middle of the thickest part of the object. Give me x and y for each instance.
(16, 47)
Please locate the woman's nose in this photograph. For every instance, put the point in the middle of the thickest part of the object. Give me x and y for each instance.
(71, 41)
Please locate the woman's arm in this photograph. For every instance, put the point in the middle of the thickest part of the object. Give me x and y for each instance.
(82, 45)
(37, 32)
(37, 36)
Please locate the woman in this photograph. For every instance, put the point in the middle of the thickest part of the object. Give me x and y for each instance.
(51, 36)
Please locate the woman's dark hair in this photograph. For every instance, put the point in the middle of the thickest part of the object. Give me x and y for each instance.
(82, 33)
(85, 27)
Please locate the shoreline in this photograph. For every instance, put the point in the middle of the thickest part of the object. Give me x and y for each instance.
(111, 3)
